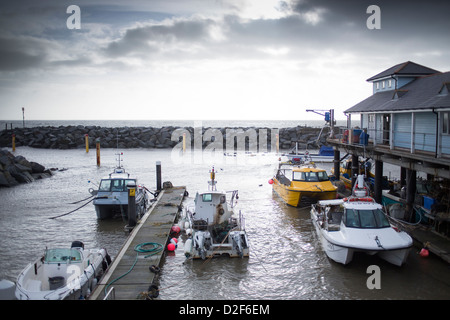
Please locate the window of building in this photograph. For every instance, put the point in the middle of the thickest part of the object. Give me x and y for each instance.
(446, 122)
(389, 83)
(383, 84)
(377, 85)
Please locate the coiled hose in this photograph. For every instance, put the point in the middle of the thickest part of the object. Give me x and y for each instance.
(155, 249)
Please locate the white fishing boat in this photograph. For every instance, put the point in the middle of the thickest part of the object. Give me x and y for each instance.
(213, 227)
(358, 224)
(62, 273)
(111, 197)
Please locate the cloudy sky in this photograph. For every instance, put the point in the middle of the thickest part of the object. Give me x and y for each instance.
(206, 59)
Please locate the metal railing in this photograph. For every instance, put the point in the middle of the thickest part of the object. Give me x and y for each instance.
(111, 295)
(423, 141)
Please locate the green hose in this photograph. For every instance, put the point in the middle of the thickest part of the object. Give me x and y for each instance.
(155, 249)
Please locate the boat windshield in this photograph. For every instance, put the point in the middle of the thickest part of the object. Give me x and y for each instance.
(114, 185)
(62, 255)
(369, 219)
(310, 176)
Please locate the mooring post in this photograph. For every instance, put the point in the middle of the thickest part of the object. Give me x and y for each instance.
(97, 142)
(378, 181)
(131, 204)
(86, 140)
(13, 142)
(355, 168)
(411, 181)
(158, 175)
(337, 164)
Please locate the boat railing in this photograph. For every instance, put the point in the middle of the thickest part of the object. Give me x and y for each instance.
(241, 220)
(111, 295)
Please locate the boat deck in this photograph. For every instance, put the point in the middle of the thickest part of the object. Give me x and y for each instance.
(129, 273)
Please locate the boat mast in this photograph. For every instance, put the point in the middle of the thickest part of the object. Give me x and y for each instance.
(212, 183)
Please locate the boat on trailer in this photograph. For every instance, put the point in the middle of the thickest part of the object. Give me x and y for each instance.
(111, 197)
(213, 227)
(358, 224)
(62, 274)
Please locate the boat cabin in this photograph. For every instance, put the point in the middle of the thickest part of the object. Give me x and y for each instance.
(303, 174)
(211, 207)
(365, 218)
(118, 184)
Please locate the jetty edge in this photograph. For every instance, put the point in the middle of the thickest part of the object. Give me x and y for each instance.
(130, 276)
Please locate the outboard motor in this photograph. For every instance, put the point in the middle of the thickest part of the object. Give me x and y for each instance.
(237, 244)
(77, 244)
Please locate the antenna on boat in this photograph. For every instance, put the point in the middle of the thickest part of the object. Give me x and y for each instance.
(118, 159)
(212, 182)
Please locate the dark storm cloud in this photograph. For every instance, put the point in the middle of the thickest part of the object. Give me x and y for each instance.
(21, 53)
(308, 28)
(150, 39)
(399, 17)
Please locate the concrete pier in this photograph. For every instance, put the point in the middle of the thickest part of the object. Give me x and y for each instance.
(129, 275)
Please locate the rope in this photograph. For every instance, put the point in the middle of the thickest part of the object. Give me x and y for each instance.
(65, 214)
(155, 249)
(81, 200)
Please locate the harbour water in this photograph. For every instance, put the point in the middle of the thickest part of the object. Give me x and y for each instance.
(286, 259)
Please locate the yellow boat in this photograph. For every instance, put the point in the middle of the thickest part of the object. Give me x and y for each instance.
(345, 170)
(303, 185)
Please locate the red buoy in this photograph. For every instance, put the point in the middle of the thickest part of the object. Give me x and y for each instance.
(424, 252)
(270, 181)
(171, 247)
(175, 230)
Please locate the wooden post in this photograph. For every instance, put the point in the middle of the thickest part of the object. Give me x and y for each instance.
(355, 168)
(158, 175)
(13, 142)
(278, 142)
(337, 164)
(410, 193)
(98, 151)
(131, 204)
(378, 181)
(86, 139)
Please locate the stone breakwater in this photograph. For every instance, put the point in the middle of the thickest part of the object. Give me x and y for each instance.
(16, 169)
(72, 137)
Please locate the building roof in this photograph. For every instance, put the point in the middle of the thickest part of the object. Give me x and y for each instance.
(405, 68)
(425, 92)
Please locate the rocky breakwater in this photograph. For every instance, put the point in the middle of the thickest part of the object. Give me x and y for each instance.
(72, 137)
(16, 169)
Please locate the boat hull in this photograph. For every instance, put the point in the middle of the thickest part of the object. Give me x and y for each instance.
(295, 197)
(296, 158)
(202, 246)
(43, 281)
(344, 254)
(110, 206)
